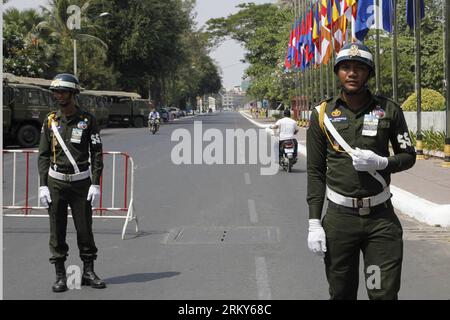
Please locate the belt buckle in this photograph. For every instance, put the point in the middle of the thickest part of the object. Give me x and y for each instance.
(364, 211)
(67, 178)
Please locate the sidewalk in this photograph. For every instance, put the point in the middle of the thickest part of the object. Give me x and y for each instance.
(422, 192)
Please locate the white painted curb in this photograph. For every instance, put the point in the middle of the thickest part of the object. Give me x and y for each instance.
(421, 209)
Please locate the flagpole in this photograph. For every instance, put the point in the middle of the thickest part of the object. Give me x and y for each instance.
(394, 53)
(377, 45)
(310, 71)
(446, 162)
(297, 77)
(321, 81)
(353, 20)
(419, 147)
(305, 72)
(333, 53)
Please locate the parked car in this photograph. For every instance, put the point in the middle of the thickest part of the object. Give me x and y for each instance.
(175, 112)
(164, 114)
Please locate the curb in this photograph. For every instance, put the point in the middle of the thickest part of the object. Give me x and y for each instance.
(407, 203)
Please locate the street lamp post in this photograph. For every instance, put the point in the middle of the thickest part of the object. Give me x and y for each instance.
(74, 23)
(75, 57)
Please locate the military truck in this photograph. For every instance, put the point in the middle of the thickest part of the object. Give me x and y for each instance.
(25, 108)
(126, 108)
(96, 104)
(142, 108)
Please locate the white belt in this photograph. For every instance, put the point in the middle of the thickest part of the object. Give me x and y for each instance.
(68, 177)
(359, 202)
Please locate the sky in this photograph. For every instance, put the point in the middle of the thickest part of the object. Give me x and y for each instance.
(227, 55)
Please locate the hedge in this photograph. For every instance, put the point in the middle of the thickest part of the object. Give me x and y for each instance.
(431, 101)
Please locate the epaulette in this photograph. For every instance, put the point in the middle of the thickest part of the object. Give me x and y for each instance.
(320, 103)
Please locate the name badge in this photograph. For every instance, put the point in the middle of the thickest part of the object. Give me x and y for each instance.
(370, 125)
(76, 135)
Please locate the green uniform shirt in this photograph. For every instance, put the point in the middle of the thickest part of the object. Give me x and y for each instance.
(325, 166)
(81, 136)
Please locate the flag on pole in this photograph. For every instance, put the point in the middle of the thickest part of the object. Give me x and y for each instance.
(295, 43)
(309, 40)
(316, 34)
(290, 51)
(369, 16)
(410, 10)
(339, 32)
(325, 41)
(324, 14)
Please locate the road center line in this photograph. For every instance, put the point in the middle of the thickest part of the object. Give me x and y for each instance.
(262, 279)
(252, 211)
(247, 178)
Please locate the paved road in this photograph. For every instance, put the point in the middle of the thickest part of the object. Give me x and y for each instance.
(207, 232)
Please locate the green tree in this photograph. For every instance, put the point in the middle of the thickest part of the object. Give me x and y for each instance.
(93, 70)
(23, 54)
(263, 30)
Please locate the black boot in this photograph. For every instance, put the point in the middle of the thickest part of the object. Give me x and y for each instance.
(89, 277)
(61, 279)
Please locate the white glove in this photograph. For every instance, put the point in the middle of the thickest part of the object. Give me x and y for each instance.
(44, 196)
(316, 238)
(94, 194)
(367, 160)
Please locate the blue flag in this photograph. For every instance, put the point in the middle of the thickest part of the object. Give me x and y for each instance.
(368, 16)
(387, 9)
(364, 18)
(410, 11)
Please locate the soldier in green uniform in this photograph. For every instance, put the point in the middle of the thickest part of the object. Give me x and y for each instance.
(349, 162)
(67, 138)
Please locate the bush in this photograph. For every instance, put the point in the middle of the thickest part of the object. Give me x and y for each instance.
(431, 140)
(431, 101)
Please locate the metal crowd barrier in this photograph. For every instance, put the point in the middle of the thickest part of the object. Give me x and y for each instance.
(30, 192)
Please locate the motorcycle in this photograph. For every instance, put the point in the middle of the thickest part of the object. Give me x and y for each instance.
(153, 125)
(287, 155)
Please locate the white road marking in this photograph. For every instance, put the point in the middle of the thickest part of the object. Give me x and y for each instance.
(262, 279)
(252, 211)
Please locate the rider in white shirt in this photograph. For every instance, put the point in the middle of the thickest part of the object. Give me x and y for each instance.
(153, 115)
(288, 128)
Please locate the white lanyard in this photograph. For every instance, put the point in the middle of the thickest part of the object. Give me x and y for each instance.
(64, 147)
(347, 147)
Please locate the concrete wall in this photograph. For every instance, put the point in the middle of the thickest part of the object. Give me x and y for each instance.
(435, 120)
(430, 120)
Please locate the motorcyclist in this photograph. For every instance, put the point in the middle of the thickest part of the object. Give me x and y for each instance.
(288, 128)
(154, 116)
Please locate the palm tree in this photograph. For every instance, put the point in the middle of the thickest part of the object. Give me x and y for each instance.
(54, 29)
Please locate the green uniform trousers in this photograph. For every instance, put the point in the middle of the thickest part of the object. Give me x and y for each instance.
(379, 237)
(73, 194)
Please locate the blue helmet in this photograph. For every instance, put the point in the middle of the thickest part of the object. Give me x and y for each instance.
(355, 52)
(65, 82)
